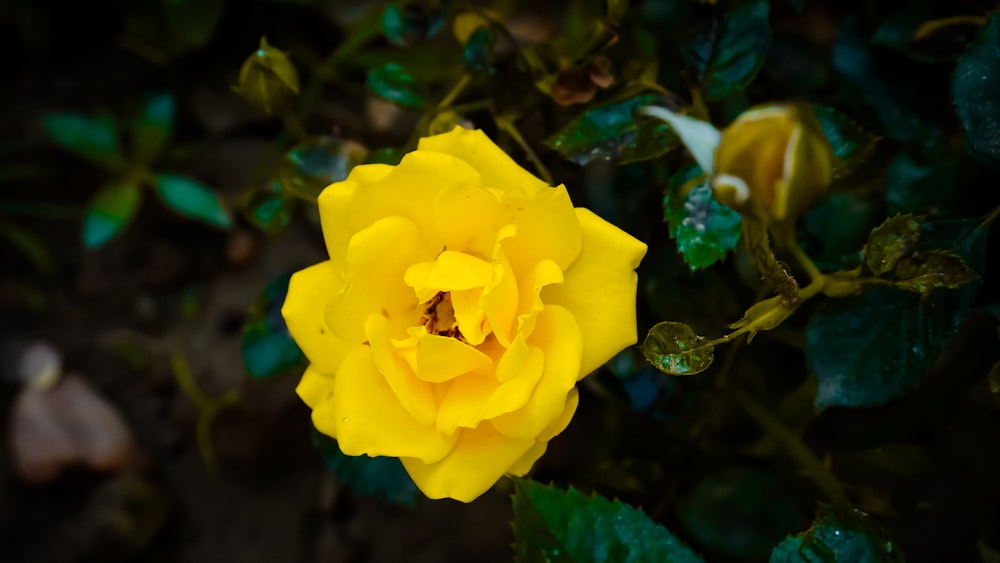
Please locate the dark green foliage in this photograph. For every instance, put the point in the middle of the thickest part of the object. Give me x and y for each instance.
(870, 349)
(740, 512)
(705, 230)
(394, 83)
(834, 231)
(478, 51)
(566, 526)
(839, 535)
(382, 477)
(614, 131)
(976, 89)
(267, 347)
(408, 23)
(727, 52)
(851, 144)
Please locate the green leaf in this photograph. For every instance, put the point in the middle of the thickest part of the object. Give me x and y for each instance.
(729, 51)
(268, 209)
(975, 88)
(478, 50)
(192, 199)
(268, 348)
(705, 230)
(907, 96)
(317, 162)
(394, 83)
(851, 144)
(153, 127)
(890, 242)
(836, 228)
(675, 349)
(565, 526)
(612, 131)
(839, 534)
(405, 24)
(94, 138)
(382, 477)
(740, 512)
(920, 182)
(109, 212)
(924, 272)
(870, 349)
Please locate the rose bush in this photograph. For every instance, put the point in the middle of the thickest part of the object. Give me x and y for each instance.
(462, 301)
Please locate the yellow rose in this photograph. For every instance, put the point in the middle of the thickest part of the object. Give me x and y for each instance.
(774, 161)
(462, 301)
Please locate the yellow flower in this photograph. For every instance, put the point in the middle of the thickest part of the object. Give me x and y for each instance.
(462, 301)
(774, 161)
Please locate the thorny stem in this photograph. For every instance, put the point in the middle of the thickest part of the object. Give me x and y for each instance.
(796, 448)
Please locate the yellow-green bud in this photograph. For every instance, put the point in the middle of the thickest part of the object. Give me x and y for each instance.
(268, 80)
(773, 161)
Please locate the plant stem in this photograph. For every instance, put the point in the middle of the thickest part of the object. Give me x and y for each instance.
(511, 129)
(208, 407)
(796, 448)
(455, 92)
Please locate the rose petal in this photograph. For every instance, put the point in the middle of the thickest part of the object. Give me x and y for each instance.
(365, 417)
(557, 333)
(599, 290)
(303, 313)
(524, 464)
(547, 228)
(500, 302)
(375, 262)
(480, 457)
(315, 386)
(450, 271)
(530, 287)
(416, 396)
(410, 190)
(476, 397)
(497, 168)
(334, 207)
(467, 217)
(441, 358)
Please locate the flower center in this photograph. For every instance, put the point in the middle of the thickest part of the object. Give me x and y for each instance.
(438, 316)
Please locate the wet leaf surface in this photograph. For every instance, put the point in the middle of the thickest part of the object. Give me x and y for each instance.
(554, 525)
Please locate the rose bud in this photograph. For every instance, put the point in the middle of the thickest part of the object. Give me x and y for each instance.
(268, 80)
(773, 161)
